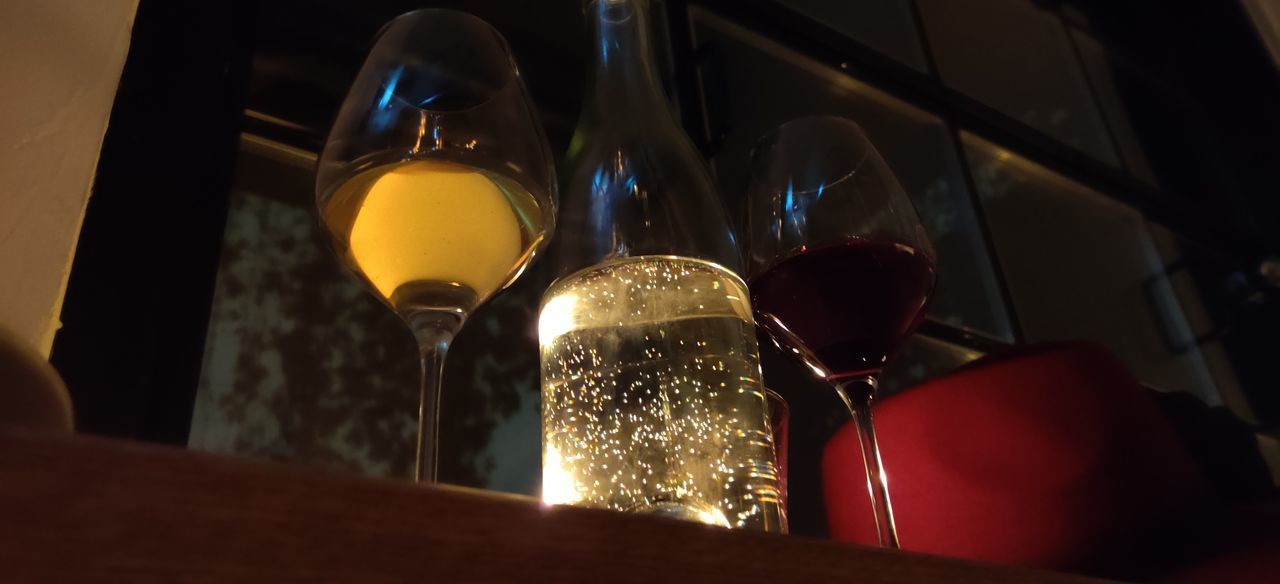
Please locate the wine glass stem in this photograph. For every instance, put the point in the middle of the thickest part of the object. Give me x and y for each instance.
(434, 336)
(857, 395)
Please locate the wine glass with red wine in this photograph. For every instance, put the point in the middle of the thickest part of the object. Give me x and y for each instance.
(840, 267)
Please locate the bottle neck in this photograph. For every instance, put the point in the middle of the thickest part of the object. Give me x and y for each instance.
(635, 184)
(624, 75)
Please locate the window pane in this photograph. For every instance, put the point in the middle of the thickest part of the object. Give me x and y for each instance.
(923, 357)
(753, 85)
(1201, 279)
(1107, 86)
(884, 25)
(1080, 265)
(302, 364)
(1016, 58)
(1162, 133)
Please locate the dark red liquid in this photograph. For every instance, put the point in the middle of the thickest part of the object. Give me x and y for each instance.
(846, 307)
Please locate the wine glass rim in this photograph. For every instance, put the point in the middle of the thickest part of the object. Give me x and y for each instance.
(511, 72)
(812, 118)
(417, 12)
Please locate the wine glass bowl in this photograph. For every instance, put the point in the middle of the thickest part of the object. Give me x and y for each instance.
(840, 268)
(819, 179)
(436, 184)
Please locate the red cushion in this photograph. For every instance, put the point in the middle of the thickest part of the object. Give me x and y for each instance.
(1051, 457)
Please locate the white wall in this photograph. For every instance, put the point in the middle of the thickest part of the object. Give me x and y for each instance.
(60, 63)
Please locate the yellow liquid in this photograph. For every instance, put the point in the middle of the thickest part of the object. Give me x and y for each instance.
(429, 233)
(651, 395)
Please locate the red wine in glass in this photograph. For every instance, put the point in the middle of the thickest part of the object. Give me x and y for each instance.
(840, 267)
(844, 307)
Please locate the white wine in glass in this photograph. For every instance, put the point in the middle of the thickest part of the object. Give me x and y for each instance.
(434, 233)
(436, 183)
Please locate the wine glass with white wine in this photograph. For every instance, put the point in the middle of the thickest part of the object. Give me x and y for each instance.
(436, 183)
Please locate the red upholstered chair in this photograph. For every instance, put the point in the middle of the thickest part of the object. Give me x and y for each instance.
(1050, 456)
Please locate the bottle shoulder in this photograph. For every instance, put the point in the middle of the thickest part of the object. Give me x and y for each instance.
(640, 289)
(628, 195)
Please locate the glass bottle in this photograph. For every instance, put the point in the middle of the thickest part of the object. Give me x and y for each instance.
(651, 393)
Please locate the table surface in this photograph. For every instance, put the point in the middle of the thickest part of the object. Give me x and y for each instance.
(81, 509)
